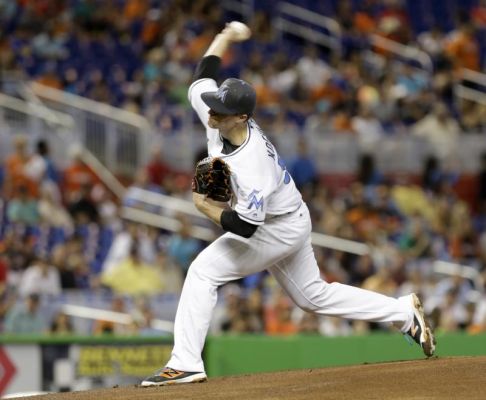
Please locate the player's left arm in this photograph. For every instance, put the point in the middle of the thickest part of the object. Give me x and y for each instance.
(221, 215)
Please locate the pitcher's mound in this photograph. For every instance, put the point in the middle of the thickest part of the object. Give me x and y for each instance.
(436, 378)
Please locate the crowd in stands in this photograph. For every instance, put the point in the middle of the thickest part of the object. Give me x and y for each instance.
(140, 54)
(61, 230)
(83, 244)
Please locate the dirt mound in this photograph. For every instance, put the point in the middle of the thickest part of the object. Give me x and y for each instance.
(436, 378)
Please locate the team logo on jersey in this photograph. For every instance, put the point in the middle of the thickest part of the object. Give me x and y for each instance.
(254, 201)
(222, 93)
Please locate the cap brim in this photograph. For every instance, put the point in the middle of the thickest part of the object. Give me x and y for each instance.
(215, 104)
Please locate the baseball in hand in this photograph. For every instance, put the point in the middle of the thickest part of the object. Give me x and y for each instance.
(238, 30)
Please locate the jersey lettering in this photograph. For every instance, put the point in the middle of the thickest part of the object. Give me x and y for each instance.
(254, 200)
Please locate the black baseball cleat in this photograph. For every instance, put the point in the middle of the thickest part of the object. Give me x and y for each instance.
(420, 330)
(170, 376)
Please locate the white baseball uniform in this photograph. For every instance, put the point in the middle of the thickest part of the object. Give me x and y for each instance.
(266, 196)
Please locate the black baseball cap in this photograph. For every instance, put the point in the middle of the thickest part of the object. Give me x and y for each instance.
(233, 97)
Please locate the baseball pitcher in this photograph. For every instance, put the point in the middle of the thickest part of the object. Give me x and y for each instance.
(267, 226)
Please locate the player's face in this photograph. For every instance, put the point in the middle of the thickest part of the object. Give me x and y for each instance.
(221, 121)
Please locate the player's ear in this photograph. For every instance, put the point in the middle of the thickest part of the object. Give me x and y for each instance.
(243, 117)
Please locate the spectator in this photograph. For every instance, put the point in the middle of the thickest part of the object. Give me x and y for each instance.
(61, 325)
(463, 48)
(439, 129)
(52, 211)
(303, 168)
(368, 128)
(82, 208)
(22, 208)
(103, 327)
(40, 168)
(25, 318)
(278, 316)
(40, 277)
(15, 163)
(76, 175)
(157, 170)
(134, 277)
(313, 71)
(181, 246)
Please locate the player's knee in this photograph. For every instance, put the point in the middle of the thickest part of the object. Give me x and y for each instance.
(308, 306)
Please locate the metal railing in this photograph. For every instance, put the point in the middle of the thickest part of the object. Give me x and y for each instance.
(295, 20)
(119, 139)
(401, 51)
(464, 90)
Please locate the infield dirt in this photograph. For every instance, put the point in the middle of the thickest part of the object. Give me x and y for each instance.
(435, 378)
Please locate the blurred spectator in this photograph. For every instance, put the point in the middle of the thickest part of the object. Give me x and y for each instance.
(368, 128)
(61, 325)
(40, 277)
(103, 327)
(121, 245)
(432, 42)
(82, 208)
(463, 48)
(157, 170)
(182, 248)
(278, 316)
(313, 71)
(25, 318)
(367, 174)
(52, 211)
(15, 163)
(134, 277)
(22, 208)
(439, 128)
(41, 169)
(76, 175)
(432, 174)
(303, 169)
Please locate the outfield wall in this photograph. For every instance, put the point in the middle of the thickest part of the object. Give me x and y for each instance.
(229, 355)
(83, 362)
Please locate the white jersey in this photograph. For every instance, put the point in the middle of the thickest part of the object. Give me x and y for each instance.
(261, 184)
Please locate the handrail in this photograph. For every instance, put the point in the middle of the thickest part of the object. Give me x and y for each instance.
(403, 50)
(112, 316)
(331, 40)
(310, 16)
(35, 110)
(91, 106)
(449, 268)
(57, 120)
(103, 173)
(168, 223)
(468, 93)
(474, 76)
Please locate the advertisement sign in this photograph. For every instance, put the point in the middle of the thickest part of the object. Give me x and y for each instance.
(20, 368)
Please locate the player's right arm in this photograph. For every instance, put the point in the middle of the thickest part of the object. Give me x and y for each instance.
(204, 79)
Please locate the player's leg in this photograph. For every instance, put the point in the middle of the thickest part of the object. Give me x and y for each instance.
(228, 258)
(299, 275)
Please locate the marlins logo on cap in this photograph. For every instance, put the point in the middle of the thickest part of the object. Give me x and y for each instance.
(234, 97)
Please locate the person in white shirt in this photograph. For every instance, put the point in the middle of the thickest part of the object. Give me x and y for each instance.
(268, 227)
(40, 278)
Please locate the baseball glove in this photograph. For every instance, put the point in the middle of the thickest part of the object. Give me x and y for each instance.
(212, 178)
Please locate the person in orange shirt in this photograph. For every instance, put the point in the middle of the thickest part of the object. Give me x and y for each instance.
(463, 48)
(14, 170)
(278, 319)
(77, 175)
